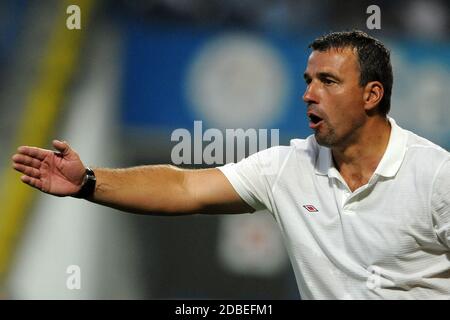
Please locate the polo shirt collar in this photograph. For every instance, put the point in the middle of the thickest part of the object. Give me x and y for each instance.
(395, 152)
(324, 162)
(389, 164)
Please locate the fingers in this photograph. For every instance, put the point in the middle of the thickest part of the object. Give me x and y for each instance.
(33, 152)
(26, 160)
(36, 183)
(61, 146)
(29, 171)
(40, 154)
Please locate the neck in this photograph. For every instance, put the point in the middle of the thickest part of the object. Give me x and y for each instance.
(358, 161)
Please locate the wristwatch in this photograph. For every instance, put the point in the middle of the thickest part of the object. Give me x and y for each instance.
(88, 187)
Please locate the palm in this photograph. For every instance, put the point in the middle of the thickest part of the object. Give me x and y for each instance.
(59, 174)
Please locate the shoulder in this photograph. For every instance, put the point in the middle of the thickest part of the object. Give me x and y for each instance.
(425, 158)
(424, 149)
(305, 147)
(298, 147)
(274, 160)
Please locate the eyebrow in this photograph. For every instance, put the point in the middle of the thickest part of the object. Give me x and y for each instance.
(321, 75)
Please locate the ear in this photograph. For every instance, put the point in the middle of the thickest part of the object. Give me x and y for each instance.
(373, 93)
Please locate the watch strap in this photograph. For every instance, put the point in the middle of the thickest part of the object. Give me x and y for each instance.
(88, 187)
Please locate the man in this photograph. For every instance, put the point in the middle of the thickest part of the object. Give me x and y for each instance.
(363, 204)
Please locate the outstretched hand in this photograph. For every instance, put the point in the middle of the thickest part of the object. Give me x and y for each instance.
(58, 173)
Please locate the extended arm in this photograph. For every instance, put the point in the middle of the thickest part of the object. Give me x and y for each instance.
(159, 189)
(167, 189)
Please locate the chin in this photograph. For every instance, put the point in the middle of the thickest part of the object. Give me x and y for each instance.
(325, 141)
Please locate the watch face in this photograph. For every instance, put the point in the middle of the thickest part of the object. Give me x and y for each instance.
(90, 173)
(238, 80)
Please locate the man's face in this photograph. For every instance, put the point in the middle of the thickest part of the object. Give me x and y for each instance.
(333, 96)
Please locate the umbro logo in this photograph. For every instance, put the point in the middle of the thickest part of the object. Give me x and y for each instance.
(310, 208)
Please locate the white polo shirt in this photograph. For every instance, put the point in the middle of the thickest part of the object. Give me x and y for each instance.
(389, 239)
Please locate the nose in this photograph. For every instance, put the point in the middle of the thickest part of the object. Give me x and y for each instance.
(309, 96)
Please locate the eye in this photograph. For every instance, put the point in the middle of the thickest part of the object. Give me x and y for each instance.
(327, 81)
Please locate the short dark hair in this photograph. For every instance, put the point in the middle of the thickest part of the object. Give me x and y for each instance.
(373, 56)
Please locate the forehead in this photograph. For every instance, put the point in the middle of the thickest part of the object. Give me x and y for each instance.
(333, 60)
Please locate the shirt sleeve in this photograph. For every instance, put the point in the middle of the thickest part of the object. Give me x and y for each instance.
(440, 204)
(252, 176)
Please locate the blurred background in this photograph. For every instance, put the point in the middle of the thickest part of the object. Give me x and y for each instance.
(137, 70)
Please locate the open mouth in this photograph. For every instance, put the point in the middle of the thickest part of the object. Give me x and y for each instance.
(314, 119)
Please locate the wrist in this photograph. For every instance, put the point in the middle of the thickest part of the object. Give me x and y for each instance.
(88, 187)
